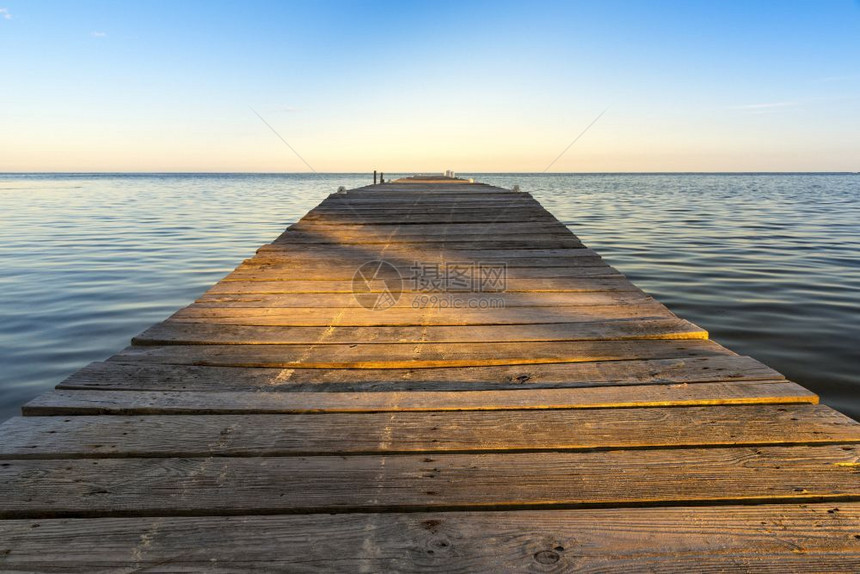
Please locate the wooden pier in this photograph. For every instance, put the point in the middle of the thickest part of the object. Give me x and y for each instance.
(428, 375)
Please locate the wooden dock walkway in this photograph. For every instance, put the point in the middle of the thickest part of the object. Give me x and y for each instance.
(493, 397)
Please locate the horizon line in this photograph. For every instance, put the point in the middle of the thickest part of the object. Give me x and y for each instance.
(401, 172)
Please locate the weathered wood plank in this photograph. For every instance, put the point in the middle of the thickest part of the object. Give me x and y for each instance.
(447, 241)
(461, 243)
(288, 300)
(458, 189)
(427, 192)
(418, 203)
(441, 241)
(411, 355)
(763, 538)
(429, 231)
(431, 204)
(515, 275)
(416, 216)
(442, 194)
(482, 216)
(177, 333)
(450, 198)
(489, 313)
(402, 196)
(429, 195)
(197, 486)
(512, 285)
(545, 226)
(325, 212)
(418, 198)
(280, 255)
(411, 200)
(74, 402)
(289, 266)
(413, 432)
(165, 377)
(434, 228)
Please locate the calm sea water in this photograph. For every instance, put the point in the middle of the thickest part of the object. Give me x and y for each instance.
(769, 264)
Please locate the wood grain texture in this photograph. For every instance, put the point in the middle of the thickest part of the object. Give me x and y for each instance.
(413, 300)
(446, 241)
(429, 315)
(514, 274)
(178, 333)
(416, 241)
(410, 355)
(763, 538)
(309, 232)
(85, 402)
(406, 212)
(406, 262)
(413, 270)
(480, 216)
(513, 285)
(502, 227)
(165, 377)
(304, 232)
(281, 255)
(414, 432)
(276, 485)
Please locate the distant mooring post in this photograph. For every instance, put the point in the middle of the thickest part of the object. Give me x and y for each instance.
(381, 177)
(374, 177)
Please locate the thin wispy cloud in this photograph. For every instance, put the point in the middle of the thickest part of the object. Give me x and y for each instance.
(4, 13)
(98, 34)
(765, 106)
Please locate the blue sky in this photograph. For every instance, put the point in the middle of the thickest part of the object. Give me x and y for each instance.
(398, 86)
